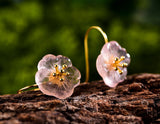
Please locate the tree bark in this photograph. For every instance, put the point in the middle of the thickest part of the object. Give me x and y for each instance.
(136, 100)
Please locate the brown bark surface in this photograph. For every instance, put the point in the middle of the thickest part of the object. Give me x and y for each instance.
(136, 100)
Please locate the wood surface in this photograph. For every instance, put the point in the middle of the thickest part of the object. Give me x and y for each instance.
(134, 101)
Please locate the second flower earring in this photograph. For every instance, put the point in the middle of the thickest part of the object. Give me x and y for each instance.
(112, 62)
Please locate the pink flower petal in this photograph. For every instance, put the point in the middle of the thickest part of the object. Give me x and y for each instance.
(42, 75)
(74, 75)
(114, 49)
(50, 60)
(60, 93)
(100, 65)
(63, 60)
(110, 82)
(47, 62)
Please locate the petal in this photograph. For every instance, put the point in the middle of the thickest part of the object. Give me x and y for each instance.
(109, 82)
(114, 49)
(63, 60)
(100, 65)
(47, 62)
(113, 78)
(118, 77)
(52, 89)
(105, 51)
(127, 59)
(74, 75)
(42, 76)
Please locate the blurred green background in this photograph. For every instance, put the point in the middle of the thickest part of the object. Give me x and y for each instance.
(30, 29)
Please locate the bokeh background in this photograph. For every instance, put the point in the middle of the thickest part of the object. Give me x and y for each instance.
(30, 29)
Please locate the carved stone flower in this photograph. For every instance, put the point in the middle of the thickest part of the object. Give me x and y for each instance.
(112, 63)
(56, 76)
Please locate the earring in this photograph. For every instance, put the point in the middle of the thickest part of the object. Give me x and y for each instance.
(112, 63)
(56, 76)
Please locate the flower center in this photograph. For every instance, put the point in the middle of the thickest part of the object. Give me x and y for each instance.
(116, 64)
(57, 76)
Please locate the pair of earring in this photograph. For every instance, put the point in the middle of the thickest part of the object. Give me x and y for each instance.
(56, 76)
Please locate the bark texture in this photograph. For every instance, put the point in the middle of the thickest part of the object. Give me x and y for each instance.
(136, 100)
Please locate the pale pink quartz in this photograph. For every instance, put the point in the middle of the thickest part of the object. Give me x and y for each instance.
(112, 63)
(56, 76)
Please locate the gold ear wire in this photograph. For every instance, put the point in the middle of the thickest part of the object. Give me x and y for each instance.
(28, 87)
(86, 47)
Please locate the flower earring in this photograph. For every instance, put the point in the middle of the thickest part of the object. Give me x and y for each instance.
(112, 63)
(56, 76)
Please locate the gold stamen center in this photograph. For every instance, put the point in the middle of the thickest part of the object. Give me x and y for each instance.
(116, 64)
(58, 75)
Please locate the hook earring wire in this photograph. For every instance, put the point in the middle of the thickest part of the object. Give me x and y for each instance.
(28, 87)
(86, 47)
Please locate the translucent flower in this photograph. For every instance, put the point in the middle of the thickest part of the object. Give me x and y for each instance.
(112, 63)
(56, 76)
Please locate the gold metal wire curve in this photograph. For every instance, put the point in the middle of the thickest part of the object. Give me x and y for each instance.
(86, 47)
